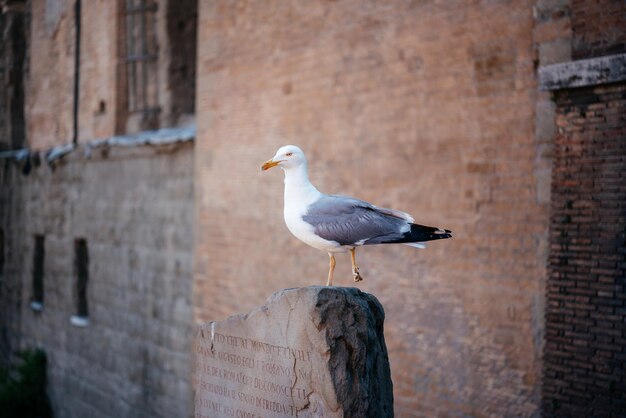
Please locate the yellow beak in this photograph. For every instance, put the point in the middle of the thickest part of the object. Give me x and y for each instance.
(269, 164)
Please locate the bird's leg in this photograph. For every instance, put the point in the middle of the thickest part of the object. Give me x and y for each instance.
(331, 269)
(355, 270)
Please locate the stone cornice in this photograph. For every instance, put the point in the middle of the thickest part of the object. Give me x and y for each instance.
(581, 73)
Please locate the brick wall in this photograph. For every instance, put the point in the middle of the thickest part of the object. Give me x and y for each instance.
(134, 209)
(427, 107)
(50, 81)
(599, 28)
(12, 227)
(99, 70)
(585, 351)
(103, 107)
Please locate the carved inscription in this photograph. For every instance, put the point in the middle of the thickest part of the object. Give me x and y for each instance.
(247, 378)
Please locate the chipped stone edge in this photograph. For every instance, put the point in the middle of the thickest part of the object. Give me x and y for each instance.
(207, 329)
(165, 136)
(582, 73)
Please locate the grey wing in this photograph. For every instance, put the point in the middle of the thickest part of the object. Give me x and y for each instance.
(351, 221)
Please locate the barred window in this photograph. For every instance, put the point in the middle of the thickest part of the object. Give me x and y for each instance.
(142, 57)
(36, 302)
(81, 267)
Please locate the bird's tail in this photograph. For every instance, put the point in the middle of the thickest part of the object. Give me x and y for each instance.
(419, 234)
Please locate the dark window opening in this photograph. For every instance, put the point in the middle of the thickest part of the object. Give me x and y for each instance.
(13, 66)
(39, 256)
(81, 267)
(1, 250)
(182, 17)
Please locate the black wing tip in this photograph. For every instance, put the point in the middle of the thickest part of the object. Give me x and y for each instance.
(421, 233)
(431, 229)
(428, 233)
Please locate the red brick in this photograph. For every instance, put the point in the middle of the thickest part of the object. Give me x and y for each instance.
(589, 172)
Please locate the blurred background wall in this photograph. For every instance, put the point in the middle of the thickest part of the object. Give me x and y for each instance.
(123, 222)
(96, 201)
(428, 107)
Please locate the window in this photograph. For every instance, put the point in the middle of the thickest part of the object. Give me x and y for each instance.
(157, 71)
(81, 273)
(39, 254)
(182, 17)
(13, 66)
(1, 250)
(142, 61)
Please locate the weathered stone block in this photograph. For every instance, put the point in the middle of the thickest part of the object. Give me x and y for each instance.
(582, 73)
(308, 352)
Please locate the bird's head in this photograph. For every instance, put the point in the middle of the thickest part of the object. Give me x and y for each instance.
(286, 157)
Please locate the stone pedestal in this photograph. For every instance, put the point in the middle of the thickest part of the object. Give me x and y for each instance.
(308, 352)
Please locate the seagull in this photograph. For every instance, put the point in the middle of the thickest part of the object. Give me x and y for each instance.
(335, 223)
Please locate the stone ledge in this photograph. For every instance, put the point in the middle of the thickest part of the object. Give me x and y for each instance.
(159, 137)
(581, 73)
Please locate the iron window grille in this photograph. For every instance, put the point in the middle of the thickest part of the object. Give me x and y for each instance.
(141, 56)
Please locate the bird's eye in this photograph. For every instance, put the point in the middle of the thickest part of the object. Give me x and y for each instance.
(289, 154)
